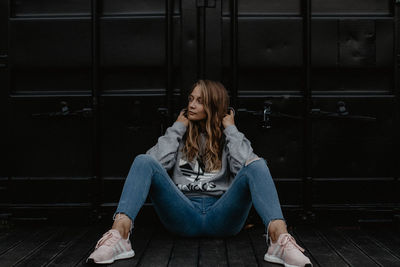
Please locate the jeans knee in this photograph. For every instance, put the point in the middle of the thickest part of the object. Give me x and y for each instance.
(143, 159)
(258, 168)
(258, 163)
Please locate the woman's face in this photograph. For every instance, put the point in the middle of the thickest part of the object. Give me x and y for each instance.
(196, 110)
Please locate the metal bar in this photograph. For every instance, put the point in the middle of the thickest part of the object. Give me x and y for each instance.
(396, 92)
(8, 163)
(169, 9)
(234, 51)
(189, 42)
(213, 41)
(96, 143)
(307, 179)
(201, 48)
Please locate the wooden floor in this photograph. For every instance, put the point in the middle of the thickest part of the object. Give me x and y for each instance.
(325, 245)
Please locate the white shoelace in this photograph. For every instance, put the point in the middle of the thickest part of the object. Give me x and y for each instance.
(108, 239)
(288, 242)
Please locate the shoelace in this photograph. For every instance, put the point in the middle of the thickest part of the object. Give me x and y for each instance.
(288, 242)
(107, 239)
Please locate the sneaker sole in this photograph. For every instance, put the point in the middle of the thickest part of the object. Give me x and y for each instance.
(275, 259)
(125, 255)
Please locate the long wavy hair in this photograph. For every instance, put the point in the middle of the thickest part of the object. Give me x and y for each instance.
(216, 101)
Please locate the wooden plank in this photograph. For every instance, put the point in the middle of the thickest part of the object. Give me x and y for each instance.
(366, 244)
(54, 246)
(212, 252)
(14, 237)
(240, 252)
(140, 239)
(350, 253)
(79, 249)
(322, 254)
(386, 238)
(301, 244)
(185, 252)
(27, 247)
(259, 245)
(328, 246)
(6, 231)
(159, 249)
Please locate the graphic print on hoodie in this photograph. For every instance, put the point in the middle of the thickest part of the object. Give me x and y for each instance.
(198, 179)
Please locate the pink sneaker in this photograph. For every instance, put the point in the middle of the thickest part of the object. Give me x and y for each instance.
(111, 247)
(286, 251)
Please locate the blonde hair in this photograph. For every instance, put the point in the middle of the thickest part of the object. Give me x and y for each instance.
(216, 101)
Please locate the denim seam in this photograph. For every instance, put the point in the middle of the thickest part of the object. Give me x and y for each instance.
(182, 197)
(265, 223)
(222, 197)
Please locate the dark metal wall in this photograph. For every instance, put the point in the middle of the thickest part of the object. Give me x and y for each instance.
(88, 85)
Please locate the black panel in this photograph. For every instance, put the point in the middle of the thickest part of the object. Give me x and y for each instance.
(45, 144)
(4, 190)
(191, 45)
(127, 80)
(133, 42)
(350, 55)
(50, 55)
(270, 42)
(43, 8)
(255, 7)
(290, 191)
(324, 43)
(270, 79)
(270, 54)
(130, 126)
(113, 64)
(357, 43)
(133, 53)
(352, 191)
(353, 80)
(129, 7)
(227, 60)
(384, 43)
(4, 135)
(213, 47)
(226, 43)
(378, 7)
(51, 81)
(280, 144)
(354, 145)
(50, 43)
(3, 26)
(49, 191)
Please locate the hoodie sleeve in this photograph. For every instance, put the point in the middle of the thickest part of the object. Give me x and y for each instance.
(167, 146)
(239, 148)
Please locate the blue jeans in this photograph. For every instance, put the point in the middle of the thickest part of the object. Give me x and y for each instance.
(205, 215)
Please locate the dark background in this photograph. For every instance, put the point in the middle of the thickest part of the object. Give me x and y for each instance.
(88, 85)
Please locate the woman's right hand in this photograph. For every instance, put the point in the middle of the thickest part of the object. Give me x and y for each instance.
(182, 118)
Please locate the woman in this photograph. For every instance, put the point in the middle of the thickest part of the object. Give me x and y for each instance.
(216, 178)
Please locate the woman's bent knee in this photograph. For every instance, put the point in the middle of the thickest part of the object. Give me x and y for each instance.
(144, 159)
(251, 160)
(258, 163)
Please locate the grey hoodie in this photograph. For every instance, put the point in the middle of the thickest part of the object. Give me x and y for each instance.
(190, 177)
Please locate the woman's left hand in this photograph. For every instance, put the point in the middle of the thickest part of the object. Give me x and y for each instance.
(228, 119)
